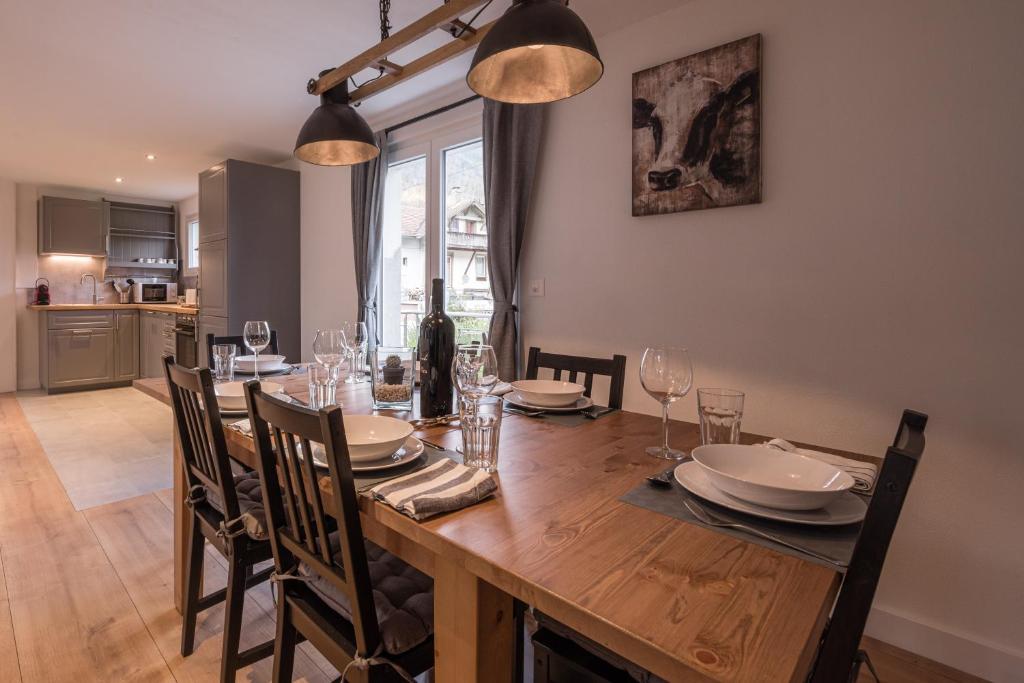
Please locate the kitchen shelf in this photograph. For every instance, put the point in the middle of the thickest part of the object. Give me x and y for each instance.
(146, 234)
(136, 264)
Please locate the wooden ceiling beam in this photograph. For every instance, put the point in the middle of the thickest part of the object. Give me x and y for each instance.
(428, 61)
(439, 17)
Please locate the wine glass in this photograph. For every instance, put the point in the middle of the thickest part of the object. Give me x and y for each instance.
(475, 370)
(329, 347)
(257, 338)
(667, 375)
(355, 339)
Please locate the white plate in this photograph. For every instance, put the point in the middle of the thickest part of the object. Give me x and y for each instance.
(771, 477)
(845, 509)
(231, 395)
(582, 403)
(412, 449)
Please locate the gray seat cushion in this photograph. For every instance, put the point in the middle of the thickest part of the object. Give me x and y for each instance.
(250, 504)
(402, 595)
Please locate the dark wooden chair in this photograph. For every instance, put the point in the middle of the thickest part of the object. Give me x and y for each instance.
(563, 655)
(366, 611)
(588, 367)
(225, 509)
(239, 342)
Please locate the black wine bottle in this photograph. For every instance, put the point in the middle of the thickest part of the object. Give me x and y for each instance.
(436, 350)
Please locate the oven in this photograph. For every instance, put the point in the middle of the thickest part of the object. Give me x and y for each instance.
(185, 340)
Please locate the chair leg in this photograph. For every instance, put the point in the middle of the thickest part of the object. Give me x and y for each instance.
(193, 582)
(284, 642)
(233, 607)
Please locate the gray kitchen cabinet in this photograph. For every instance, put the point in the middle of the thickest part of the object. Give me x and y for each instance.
(77, 358)
(213, 278)
(126, 323)
(218, 327)
(249, 251)
(213, 204)
(157, 339)
(73, 226)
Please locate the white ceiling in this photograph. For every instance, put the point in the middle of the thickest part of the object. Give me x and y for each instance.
(89, 88)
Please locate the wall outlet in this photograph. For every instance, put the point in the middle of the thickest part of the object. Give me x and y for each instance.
(536, 287)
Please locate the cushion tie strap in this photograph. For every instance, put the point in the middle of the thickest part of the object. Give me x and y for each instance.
(363, 663)
(290, 575)
(225, 530)
(196, 494)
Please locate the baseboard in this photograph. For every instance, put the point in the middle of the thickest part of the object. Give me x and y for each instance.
(981, 658)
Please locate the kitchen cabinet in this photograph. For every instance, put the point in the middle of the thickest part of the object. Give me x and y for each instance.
(249, 251)
(213, 277)
(126, 323)
(156, 340)
(73, 226)
(218, 327)
(80, 357)
(213, 204)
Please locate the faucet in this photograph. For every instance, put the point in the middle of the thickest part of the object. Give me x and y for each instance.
(95, 296)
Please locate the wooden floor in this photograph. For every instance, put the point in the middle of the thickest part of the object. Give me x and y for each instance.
(87, 595)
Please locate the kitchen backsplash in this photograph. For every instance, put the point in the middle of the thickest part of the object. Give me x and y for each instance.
(65, 275)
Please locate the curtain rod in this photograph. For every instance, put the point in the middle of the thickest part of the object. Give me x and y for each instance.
(440, 110)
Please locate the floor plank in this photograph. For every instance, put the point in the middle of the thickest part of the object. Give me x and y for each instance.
(899, 666)
(9, 667)
(73, 620)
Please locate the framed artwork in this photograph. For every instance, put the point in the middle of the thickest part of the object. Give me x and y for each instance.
(697, 131)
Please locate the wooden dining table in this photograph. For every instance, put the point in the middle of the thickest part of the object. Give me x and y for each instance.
(680, 600)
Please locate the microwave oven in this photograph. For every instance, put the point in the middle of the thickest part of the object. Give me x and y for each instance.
(155, 292)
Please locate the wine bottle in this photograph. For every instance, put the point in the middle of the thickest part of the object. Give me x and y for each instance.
(436, 350)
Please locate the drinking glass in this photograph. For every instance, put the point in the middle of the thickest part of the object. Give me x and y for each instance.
(355, 340)
(323, 385)
(481, 426)
(329, 347)
(257, 338)
(720, 412)
(475, 370)
(667, 375)
(224, 362)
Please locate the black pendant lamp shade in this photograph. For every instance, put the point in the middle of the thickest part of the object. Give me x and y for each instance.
(539, 51)
(335, 134)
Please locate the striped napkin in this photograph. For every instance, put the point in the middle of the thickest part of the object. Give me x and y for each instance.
(441, 487)
(863, 473)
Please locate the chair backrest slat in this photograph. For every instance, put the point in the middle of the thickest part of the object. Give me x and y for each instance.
(614, 367)
(841, 641)
(296, 515)
(200, 433)
(239, 343)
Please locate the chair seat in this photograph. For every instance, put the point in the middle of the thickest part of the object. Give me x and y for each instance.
(402, 595)
(250, 504)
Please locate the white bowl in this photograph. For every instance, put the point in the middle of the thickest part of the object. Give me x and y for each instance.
(372, 437)
(267, 363)
(231, 395)
(772, 478)
(548, 393)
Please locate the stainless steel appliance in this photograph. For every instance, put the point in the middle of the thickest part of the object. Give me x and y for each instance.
(154, 292)
(185, 340)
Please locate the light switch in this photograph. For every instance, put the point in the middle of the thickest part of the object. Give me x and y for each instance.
(537, 287)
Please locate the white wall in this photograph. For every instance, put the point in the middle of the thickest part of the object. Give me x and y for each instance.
(881, 272)
(8, 294)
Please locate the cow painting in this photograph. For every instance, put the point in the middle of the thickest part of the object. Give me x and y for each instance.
(697, 131)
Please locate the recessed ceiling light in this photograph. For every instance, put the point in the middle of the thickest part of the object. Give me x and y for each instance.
(151, 157)
(118, 179)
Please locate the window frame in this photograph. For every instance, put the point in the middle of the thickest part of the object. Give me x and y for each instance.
(191, 245)
(432, 144)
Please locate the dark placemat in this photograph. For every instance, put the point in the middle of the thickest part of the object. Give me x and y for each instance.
(430, 455)
(832, 541)
(565, 419)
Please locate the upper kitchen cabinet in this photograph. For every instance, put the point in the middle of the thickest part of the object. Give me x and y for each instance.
(213, 203)
(73, 226)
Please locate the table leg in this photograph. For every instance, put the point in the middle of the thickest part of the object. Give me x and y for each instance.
(474, 630)
(181, 539)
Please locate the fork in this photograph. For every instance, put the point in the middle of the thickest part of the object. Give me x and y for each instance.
(715, 521)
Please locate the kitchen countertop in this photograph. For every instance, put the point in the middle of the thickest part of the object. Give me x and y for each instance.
(162, 308)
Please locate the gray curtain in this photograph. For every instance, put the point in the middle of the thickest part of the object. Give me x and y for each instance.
(367, 206)
(512, 140)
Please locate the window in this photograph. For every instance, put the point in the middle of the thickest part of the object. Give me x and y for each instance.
(192, 245)
(434, 225)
